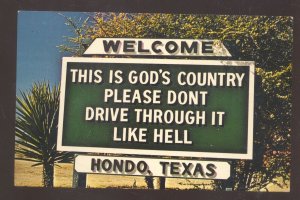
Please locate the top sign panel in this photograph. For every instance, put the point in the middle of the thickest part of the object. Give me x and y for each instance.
(157, 47)
(164, 107)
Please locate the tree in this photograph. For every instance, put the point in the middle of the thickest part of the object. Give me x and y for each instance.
(36, 129)
(265, 40)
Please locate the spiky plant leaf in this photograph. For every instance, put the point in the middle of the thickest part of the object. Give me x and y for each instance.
(36, 128)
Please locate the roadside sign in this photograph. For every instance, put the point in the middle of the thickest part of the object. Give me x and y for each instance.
(163, 107)
(157, 47)
(152, 167)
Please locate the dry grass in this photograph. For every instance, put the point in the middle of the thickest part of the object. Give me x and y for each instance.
(28, 176)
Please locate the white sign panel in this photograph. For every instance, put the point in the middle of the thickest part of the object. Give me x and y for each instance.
(157, 47)
(152, 167)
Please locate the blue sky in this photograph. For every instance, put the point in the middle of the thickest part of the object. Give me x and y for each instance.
(39, 34)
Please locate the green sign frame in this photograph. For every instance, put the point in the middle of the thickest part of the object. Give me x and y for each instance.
(234, 140)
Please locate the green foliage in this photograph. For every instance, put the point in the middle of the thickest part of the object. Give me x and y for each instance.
(36, 129)
(265, 40)
(77, 45)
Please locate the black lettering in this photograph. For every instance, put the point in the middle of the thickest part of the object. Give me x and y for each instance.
(142, 166)
(171, 44)
(189, 49)
(95, 165)
(211, 168)
(111, 45)
(174, 168)
(141, 49)
(129, 166)
(186, 168)
(198, 169)
(154, 46)
(207, 47)
(164, 166)
(118, 165)
(128, 46)
(106, 165)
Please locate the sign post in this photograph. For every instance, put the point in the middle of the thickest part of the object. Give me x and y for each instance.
(79, 179)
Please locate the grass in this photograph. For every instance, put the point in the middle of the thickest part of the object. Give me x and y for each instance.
(28, 176)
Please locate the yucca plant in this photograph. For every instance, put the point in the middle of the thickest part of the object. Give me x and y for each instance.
(36, 129)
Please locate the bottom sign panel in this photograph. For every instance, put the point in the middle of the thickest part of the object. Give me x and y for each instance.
(152, 167)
